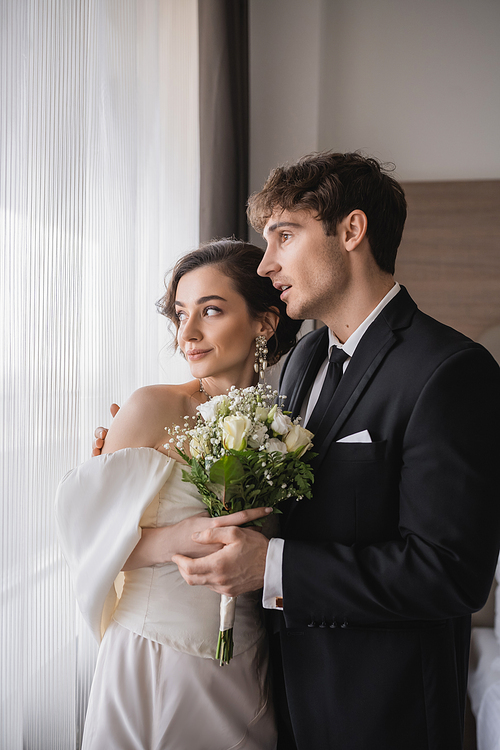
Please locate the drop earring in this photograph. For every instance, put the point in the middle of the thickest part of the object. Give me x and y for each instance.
(260, 363)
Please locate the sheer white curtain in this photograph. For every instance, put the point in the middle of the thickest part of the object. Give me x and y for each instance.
(99, 185)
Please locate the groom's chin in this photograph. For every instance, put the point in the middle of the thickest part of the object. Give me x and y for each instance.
(292, 312)
(295, 313)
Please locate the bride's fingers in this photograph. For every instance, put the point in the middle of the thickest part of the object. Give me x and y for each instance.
(243, 516)
(219, 535)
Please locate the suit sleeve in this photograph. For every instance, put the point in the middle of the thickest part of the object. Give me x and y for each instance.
(442, 562)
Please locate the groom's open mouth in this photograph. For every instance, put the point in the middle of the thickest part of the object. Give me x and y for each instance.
(283, 288)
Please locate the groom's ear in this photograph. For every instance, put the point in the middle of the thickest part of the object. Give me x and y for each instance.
(353, 229)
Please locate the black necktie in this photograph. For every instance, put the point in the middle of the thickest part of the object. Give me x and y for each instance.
(332, 379)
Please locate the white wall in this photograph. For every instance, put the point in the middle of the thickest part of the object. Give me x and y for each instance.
(416, 83)
(285, 47)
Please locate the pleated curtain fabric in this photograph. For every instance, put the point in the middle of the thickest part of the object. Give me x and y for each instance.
(99, 195)
(224, 118)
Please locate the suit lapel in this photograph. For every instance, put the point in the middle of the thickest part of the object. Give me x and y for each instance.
(358, 374)
(369, 354)
(300, 376)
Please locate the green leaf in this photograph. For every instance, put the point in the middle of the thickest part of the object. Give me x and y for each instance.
(227, 470)
(218, 489)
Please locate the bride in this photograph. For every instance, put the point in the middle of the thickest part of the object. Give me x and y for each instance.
(157, 684)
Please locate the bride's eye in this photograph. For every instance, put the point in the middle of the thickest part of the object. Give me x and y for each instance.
(210, 311)
(180, 315)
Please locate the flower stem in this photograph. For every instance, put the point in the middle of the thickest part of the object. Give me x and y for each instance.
(225, 647)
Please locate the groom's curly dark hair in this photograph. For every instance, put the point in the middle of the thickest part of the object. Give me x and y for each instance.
(331, 185)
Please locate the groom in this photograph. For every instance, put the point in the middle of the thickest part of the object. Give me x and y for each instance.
(377, 576)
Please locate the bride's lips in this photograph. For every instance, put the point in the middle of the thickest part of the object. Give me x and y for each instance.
(195, 354)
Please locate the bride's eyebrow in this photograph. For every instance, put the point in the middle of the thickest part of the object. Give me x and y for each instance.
(202, 300)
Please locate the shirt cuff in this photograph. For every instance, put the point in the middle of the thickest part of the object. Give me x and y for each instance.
(272, 596)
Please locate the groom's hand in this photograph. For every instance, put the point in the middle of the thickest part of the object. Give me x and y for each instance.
(101, 432)
(239, 566)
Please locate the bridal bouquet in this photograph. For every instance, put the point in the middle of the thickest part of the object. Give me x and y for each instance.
(244, 452)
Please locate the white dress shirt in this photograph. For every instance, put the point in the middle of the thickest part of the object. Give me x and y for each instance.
(273, 582)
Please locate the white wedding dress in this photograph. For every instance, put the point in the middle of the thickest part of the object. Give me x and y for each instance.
(157, 685)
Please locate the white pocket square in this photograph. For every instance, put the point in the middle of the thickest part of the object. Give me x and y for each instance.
(357, 437)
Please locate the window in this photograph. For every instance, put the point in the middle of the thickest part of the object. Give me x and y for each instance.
(99, 187)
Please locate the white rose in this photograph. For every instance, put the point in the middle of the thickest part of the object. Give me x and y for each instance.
(210, 409)
(234, 432)
(298, 437)
(281, 424)
(258, 435)
(275, 445)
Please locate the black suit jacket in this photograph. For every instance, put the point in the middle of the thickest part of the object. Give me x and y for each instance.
(398, 546)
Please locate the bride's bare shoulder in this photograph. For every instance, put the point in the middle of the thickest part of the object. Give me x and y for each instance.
(155, 396)
(143, 419)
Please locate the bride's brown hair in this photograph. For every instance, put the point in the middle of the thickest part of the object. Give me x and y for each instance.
(238, 261)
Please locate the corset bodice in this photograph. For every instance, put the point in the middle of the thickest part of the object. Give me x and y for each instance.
(158, 604)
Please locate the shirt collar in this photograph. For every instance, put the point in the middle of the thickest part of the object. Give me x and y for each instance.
(350, 345)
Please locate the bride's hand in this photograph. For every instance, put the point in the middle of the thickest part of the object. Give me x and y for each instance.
(157, 546)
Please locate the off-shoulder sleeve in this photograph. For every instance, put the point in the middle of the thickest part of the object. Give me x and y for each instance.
(99, 506)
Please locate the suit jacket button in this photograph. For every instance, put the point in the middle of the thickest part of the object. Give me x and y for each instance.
(333, 625)
(323, 625)
(312, 624)
(345, 624)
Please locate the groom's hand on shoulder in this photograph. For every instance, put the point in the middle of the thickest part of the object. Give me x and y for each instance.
(101, 432)
(239, 566)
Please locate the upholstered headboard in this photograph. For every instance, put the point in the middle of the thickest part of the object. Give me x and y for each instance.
(450, 254)
(450, 260)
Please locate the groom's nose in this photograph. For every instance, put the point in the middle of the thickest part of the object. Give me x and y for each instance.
(269, 264)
